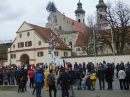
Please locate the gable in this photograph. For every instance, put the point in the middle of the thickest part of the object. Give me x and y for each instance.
(24, 27)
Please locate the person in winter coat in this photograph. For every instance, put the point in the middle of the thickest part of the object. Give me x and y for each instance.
(83, 82)
(12, 76)
(89, 67)
(93, 79)
(122, 75)
(45, 80)
(38, 79)
(72, 79)
(51, 82)
(25, 78)
(101, 77)
(84, 68)
(31, 76)
(109, 78)
(127, 78)
(1, 77)
(5, 77)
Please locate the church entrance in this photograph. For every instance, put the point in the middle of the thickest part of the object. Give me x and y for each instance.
(24, 59)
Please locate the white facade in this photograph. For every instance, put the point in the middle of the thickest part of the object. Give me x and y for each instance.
(30, 53)
(80, 18)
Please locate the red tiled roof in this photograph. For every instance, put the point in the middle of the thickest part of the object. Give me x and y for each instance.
(79, 27)
(45, 34)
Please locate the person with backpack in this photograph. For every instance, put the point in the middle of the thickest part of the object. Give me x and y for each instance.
(38, 79)
(64, 79)
(51, 83)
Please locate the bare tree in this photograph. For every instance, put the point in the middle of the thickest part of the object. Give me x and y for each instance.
(118, 18)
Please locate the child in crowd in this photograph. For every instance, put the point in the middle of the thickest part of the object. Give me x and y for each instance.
(83, 83)
(93, 79)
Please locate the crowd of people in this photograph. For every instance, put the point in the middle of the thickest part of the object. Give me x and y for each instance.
(81, 75)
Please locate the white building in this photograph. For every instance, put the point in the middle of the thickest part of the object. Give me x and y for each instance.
(31, 46)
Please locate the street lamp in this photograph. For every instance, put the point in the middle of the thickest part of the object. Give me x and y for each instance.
(10, 51)
(113, 46)
(94, 43)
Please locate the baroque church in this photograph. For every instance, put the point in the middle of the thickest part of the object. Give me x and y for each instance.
(31, 46)
(74, 32)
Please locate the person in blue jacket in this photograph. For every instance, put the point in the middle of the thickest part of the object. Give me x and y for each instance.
(39, 77)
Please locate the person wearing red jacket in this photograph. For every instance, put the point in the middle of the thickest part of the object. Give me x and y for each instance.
(31, 76)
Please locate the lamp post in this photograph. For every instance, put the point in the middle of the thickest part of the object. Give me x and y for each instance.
(10, 52)
(113, 46)
(94, 43)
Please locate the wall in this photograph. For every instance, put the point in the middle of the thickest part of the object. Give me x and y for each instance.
(118, 59)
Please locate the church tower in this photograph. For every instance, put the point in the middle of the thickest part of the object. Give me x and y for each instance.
(80, 13)
(101, 15)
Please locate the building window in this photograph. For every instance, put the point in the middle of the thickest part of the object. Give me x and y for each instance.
(59, 27)
(100, 16)
(79, 20)
(13, 46)
(13, 56)
(20, 35)
(65, 54)
(39, 54)
(83, 20)
(83, 48)
(28, 34)
(77, 49)
(28, 43)
(39, 43)
(64, 40)
(21, 44)
(56, 53)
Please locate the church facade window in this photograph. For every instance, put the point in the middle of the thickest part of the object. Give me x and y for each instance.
(79, 20)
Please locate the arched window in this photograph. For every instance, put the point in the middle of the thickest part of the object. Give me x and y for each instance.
(70, 43)
(79, 20)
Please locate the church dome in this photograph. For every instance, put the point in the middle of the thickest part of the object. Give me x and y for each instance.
(101, 4)
(79, 9)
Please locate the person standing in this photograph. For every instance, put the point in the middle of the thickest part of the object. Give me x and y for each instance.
(12, 76)
(25, 77)
(127, 78)
(122, 75)
(101, 77)
(64, 79)
(109, 79)
(1, 77)
(84, 68)
(31, 76)
(5, 77)
(51, 83)
(38, 79)
(72, 78)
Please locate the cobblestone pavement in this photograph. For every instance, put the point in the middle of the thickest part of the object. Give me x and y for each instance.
(78, 93)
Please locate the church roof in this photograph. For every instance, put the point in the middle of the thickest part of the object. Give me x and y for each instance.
(45, 34)
(79, 27)
(101, 4)
(79, 9)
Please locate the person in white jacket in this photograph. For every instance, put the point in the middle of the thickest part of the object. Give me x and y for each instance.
(121, 76)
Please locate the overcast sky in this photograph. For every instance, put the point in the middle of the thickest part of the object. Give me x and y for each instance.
(14, 12)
